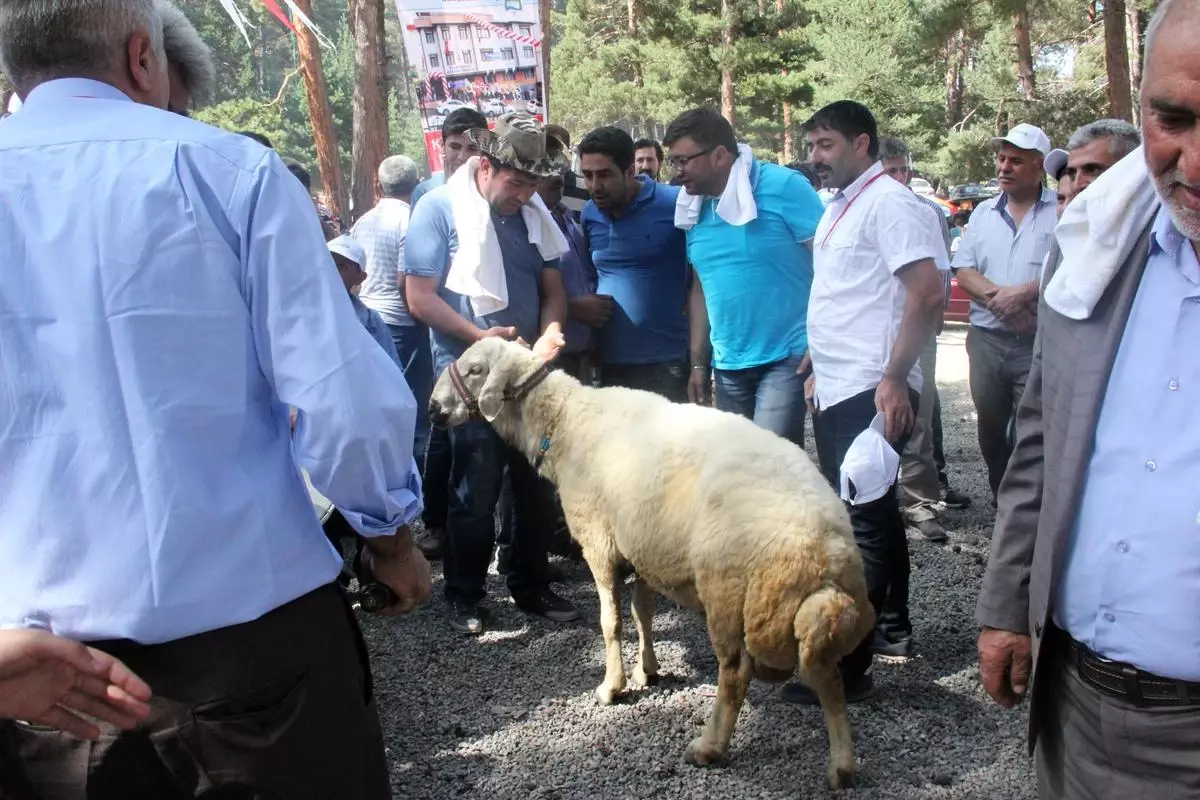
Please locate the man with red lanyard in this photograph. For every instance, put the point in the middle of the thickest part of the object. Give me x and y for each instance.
(877, 293)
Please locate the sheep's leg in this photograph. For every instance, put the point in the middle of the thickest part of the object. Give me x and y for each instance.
(646, 670)
(733, 679)
(610, 623)
(828, 627)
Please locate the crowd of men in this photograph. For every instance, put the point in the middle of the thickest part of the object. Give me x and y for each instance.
(165, 585)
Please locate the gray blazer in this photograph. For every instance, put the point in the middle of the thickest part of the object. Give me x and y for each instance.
(1042, 487)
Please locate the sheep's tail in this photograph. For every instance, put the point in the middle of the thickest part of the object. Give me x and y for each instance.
(830, 624)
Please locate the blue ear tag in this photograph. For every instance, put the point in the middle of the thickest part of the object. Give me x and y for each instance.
(545, 443)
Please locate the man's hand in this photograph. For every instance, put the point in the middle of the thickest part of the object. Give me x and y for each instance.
(1005, 661)
(1009, 302)
(591, 309)
(48, 680)
(503, 333)
(400, 566)
(892, 400)
(810, 393)
(700, 387)
(550, 343)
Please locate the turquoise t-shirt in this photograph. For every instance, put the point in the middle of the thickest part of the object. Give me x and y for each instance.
(757, 277)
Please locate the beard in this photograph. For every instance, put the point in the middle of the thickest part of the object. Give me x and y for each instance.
(1187, 220)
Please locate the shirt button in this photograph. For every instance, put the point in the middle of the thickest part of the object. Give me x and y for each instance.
(1151, 465)
(1109, 617)
(1173, 385)
(1123, 546)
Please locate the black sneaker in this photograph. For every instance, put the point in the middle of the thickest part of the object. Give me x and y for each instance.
(952, 498)
(465, 618)
(858, 688)
(887, 650)
(431, 542)
(545, 603)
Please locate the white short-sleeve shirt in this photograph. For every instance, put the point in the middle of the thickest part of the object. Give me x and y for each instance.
(869, 232)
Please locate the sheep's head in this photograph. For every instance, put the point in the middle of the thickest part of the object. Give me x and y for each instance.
(490, 372)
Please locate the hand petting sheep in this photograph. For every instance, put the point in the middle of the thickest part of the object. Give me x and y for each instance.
(711, 510)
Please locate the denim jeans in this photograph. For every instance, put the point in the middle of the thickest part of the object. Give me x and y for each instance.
(878, 526)
(668, 378)
(416, 358)
(772, 395)
(476, 479)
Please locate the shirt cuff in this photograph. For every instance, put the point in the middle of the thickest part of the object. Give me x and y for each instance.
(402, 506)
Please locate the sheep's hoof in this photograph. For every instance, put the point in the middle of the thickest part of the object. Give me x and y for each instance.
(641, 678)
(605, 694)
(701, 754)
(840, 778)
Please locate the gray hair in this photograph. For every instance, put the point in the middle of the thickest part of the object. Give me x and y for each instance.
(1164, 10)
(45, 39)
(1123, 137)
(891, 147)
(187, 52)
(398, 176)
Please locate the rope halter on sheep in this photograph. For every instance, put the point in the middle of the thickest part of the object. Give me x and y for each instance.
(515, 393)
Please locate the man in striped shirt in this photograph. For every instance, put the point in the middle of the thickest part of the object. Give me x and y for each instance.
(999, 264)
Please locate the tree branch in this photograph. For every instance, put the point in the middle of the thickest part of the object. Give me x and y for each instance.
(283, 88)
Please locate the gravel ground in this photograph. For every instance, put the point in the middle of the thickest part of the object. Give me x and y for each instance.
(511, 714)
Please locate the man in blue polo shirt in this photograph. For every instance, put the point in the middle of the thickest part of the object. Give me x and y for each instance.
(749, 235)
(641, 263)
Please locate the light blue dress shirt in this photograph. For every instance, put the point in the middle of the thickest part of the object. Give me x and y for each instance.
(166, 294)
(1131, 582)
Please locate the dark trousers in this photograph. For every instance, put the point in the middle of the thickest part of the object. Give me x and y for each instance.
(939, 450)
(878, 526)
(1092, 746)
(1000, 363)
(477, 478)
(437, 478)
(280, 707)
(416, 358)
(669, 378)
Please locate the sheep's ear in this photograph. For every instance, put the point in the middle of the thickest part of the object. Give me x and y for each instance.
(491, 396)
(490, 405)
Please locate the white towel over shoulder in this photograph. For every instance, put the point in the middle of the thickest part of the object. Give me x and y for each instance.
(736, 206)
(1097, 232)
(477, 269)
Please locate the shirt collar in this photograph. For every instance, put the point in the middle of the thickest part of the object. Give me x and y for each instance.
(1167, 239)
(73, 89)
(1045, 197)
(858, 184)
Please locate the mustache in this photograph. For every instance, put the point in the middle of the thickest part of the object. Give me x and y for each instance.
(1176, 178)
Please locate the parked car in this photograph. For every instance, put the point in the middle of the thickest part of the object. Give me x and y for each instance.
(921, 187)
(534, 107)
(959, 306)
(492, 107)
(434, 122)
(446, 106)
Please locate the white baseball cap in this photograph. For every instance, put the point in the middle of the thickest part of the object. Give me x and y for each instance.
(870, 466)
(348, 247)
(1026, 137)
(1056, 162)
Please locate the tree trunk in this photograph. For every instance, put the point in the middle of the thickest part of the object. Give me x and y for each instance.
(1133, 37)
(955, 64)
(369, 144)
(788, 144)
(633, 18)
(1116, 60)
(544, 52)
(319, 113)
(1024, 52)
(728, 37)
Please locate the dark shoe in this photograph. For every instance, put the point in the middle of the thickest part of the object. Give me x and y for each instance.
(465, 618)
(929, 530)
(955, 499)
(545, 603)
(857, 688)
(504, 559)
(899, 650)
(431, 542)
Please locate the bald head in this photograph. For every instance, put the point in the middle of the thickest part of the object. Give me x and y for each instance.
(1171, 110)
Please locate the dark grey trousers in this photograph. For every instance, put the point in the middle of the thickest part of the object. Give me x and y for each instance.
(1000, 365)
(1092, 746)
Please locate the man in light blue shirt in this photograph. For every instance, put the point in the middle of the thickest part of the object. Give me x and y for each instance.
(167, 295)
(749, 299)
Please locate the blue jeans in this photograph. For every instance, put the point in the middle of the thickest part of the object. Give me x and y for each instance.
(772, 395)
(476, 479)
(416, 358)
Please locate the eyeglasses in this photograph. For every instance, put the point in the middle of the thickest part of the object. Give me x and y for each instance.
(679, 162)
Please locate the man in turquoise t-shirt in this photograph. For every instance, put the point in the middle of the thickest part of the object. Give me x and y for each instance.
(749, 302)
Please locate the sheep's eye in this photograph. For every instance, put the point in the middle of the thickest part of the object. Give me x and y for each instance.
(475, 369)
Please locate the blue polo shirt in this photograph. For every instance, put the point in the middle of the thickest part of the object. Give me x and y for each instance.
(429, 249)
(426, 186)
(757, 277)
(641, 260)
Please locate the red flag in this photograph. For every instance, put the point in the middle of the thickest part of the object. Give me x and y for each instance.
(274, 8)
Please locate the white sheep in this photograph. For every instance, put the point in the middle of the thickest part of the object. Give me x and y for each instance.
(711, 511)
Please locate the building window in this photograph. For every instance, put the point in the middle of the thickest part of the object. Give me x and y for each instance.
(463, 33)
(527, 51)
(525, 30)
(483, 33)
(507, 53)
(512, 5)
(445, 34)
(449, 59)
(433, 59)
(466, 56)
(429, 36)
(487, 54)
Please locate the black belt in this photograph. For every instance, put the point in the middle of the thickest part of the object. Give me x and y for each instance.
(1127, 682)
(1000, 333)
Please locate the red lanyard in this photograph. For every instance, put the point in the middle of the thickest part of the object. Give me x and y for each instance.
(833, 227)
